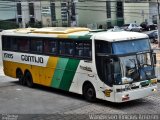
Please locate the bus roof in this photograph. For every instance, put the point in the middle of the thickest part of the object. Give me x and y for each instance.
(119, 36)
(51, 32)
(60, 30)
(74, 33)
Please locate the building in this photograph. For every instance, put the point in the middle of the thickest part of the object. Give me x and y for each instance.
(58, 12)
(49, 12)
(140, 11)
(99, 13)
(7, 10)
(88, 13)
(28, 12)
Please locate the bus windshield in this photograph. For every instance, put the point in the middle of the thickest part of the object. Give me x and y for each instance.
(131, 46)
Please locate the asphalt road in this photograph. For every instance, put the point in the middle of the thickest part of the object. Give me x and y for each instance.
(47, 104)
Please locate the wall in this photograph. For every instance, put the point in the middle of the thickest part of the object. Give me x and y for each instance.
(94, 13)
(138, 12)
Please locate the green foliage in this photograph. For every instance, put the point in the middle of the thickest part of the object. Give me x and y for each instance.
(8, 25)
(37, 24)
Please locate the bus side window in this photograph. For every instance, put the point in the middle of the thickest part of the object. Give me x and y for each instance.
(87, 50)
(61, 47)
(46, 46)
(79, 49)
(14, 44)
(69, 48)
(53, 47)
(37, 46)
(23, 44)
(83, 49)
(50, 46)
(6, 45)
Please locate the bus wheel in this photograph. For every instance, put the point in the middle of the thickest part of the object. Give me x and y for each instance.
(19, 75)
(89, 92)
(28, 79)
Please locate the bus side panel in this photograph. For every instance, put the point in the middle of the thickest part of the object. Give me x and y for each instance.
(69, 74)
(35, 74)
(64, 73)
(48, 71)
(9, 69)
(59, 71)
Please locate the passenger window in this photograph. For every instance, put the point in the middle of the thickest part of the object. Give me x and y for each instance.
(23, 44)
(14, 44)
(6, 45)
(50, 47)
(37, 46)
(53, 47)
(87, 50)
(83, 49)
(69, 48)
(79, 49)
(66, 48)
(62, 47)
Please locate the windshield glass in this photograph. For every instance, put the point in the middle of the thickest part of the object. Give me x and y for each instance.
(126, 47)
(137, 67)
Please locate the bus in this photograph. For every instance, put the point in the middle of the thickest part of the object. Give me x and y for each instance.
(116, 66)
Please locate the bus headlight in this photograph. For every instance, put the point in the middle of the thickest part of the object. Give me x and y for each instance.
(126, 80)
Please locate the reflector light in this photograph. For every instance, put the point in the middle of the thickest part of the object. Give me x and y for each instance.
(125, 97)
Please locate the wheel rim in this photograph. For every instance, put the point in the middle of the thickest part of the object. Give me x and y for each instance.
(90, 93)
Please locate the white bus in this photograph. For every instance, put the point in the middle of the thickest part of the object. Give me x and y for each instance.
(113, 66)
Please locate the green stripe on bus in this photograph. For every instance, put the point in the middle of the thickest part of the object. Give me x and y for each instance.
(86, 37)
(79, 37)
(69, 74)
(58, 74)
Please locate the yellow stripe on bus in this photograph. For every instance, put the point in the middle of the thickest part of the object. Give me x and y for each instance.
(49, 71)
(63, 36)
(40, 75)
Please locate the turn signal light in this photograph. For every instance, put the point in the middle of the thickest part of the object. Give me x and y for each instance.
(153, 81)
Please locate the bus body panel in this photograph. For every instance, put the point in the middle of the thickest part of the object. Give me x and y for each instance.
(86, 73)
(58, 72)
(135, 94)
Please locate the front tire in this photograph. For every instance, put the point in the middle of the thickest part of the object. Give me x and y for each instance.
(28, 79)
(89, 92)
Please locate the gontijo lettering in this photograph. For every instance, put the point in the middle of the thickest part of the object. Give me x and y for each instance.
(32, 59)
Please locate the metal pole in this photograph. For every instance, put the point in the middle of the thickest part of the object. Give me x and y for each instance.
(69, 15)
(158, 22)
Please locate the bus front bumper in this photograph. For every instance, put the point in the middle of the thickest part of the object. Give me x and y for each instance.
(134, 94)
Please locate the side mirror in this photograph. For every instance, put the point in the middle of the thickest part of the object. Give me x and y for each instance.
(154, 58)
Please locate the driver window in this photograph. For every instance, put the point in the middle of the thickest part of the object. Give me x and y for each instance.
(102, 46)
(108, 72)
